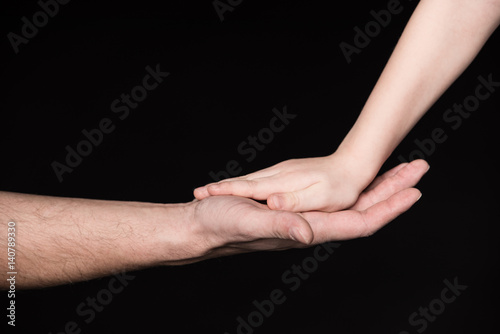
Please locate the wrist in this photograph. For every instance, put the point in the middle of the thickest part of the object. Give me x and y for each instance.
(174, 234)
(360, 168)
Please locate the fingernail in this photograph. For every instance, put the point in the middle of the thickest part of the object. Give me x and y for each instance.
(419, 197)
(277, 202)
(201, 191)
(296, 235)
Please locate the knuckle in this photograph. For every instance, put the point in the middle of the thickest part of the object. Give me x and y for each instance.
(292, 200)
(250, 186)
(366, 229)
(282, 224)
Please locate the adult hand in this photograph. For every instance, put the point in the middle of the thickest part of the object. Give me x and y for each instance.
(230, 225)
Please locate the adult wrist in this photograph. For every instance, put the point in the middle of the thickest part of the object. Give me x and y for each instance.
(175, 234)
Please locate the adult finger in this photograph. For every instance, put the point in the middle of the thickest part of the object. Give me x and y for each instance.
(406, 177)
(351, 224)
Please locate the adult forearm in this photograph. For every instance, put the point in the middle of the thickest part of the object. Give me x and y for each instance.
(439, 42)
(61, 240)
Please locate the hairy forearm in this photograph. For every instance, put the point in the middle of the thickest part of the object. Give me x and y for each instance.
(439, 42)
(62, 240)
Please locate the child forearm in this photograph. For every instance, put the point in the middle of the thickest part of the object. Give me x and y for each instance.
(439, 42)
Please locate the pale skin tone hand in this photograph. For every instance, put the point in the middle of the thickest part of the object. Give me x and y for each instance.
(63, 240)
(323, 183)
(440, 40)
(386, 198)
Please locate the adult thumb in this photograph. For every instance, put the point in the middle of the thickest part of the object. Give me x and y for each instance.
(281, 225)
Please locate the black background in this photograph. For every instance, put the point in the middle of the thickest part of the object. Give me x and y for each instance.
(225, 78)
